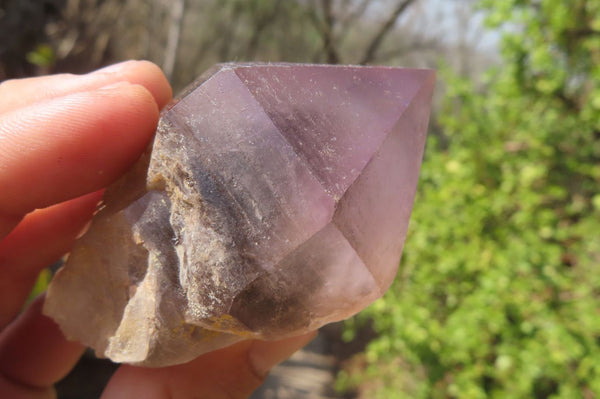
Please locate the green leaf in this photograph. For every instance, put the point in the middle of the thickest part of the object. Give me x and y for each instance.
(42, 56)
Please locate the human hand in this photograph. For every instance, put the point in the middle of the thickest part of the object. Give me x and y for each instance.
(62, 139)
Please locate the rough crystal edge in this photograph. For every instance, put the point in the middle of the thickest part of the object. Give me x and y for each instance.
(237, 65)
(215, 69)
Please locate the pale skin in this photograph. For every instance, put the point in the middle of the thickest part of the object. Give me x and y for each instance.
(63, 138)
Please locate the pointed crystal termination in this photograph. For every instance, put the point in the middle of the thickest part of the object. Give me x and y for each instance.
(275, 199)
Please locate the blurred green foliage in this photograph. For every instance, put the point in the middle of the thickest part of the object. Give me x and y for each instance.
(43, 56)
(498, 290)
(41, 284)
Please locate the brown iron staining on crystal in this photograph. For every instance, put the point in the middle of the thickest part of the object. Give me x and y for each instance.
(275, 199)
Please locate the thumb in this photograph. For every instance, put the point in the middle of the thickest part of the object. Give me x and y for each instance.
(232, 372)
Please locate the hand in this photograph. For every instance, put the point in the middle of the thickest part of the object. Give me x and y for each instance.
(62, 139)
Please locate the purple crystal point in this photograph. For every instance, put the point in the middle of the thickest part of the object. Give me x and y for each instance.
(275, 199)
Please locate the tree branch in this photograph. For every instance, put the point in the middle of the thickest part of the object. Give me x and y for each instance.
(582, 32)
(385, 29)
(351, 18)
(261, 23)
(177, 11)
(325, 29)
(328, 40)
(420, 45)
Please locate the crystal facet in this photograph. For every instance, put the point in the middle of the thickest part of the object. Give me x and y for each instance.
(275, 199)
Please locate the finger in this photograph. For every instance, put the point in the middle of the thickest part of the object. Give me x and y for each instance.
(12, 390)
(232, 372)
(68, 146)
(7, 223)
(38, 241)
(34, 354)
(22, 92)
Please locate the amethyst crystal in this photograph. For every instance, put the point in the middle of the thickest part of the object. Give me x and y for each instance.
(275, 199)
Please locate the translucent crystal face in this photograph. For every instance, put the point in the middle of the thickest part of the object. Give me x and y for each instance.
(275, 199)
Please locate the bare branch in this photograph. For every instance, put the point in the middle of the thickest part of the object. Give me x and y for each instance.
(177, 11)
(385, 29)
(418, 45)
(328, 39)
(325, 29)
(261, 23)
(582, 32)
(352, 16)
(227, 31)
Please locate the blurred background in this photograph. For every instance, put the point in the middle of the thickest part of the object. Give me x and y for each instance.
(497, 295)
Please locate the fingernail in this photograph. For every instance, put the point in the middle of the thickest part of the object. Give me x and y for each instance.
(264, 355)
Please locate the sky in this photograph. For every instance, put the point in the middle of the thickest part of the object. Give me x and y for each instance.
(452, 20)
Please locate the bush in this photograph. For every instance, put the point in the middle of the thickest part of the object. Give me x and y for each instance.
(497, 294)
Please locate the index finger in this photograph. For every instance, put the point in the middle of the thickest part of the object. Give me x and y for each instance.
(68, 146)
(18, 93)
(27, 132)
